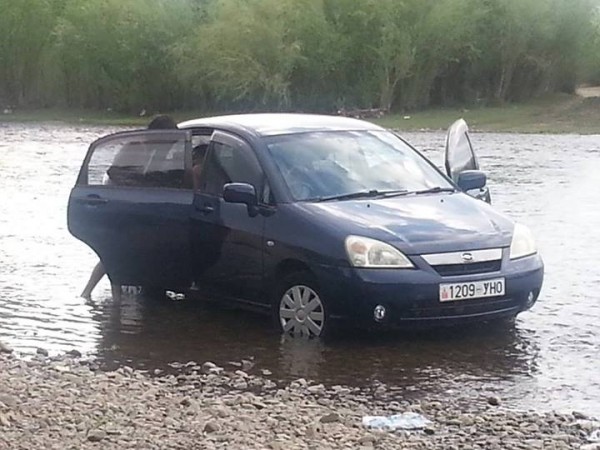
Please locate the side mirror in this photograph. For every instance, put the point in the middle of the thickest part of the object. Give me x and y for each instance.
(241, 193)
(471, 179)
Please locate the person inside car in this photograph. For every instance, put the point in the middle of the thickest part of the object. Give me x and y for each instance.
(161, 122)
(198, 155)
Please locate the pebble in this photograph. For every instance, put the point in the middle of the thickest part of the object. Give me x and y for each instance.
(8, 401)
(4, 420)
(211, 426)
(258, 404)
(368, 439)
(240, 385)
(96, 435)
(316, 389)
(313, 430)
(41, 351)
(208, 366)
(493, 400)
(74, 353)
(247, 365)
(5, 348)
(52, 403)
(330, 418)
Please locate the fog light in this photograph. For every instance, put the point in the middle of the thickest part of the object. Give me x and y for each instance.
(530, 298)
(379, 313)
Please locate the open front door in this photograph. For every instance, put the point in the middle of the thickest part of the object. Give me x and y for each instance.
(132, 203)
(459, 157)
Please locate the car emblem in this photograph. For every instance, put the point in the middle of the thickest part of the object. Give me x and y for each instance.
(467, 257)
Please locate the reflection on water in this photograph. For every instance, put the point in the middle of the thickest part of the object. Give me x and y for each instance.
(548, 360)
(150, 334)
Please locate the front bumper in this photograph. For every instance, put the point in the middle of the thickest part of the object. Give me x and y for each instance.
(411, 297)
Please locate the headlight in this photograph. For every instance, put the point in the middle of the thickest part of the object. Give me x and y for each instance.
(523, 243)
(365, 252)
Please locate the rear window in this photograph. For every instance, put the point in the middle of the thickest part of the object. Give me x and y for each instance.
(149, 160)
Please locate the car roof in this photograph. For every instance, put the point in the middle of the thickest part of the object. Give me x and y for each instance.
(270, 124)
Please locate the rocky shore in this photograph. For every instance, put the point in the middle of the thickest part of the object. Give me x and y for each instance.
(67, 403)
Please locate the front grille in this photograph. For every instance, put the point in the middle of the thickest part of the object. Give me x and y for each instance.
(449, 270)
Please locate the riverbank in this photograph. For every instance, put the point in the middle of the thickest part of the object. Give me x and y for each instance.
(557, 114)
(66, 402)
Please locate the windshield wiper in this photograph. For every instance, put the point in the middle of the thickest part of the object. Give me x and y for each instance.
(364, 194)
(384, 194)
(394, 193)
(434, 190)
(351, 195)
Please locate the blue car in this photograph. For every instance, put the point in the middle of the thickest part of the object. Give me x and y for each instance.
(314, 219)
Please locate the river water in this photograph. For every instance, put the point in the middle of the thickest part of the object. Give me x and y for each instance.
(549, 360)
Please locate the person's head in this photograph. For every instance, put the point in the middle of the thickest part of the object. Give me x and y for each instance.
(162, 123)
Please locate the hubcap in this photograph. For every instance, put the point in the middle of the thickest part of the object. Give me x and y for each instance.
(301, 312)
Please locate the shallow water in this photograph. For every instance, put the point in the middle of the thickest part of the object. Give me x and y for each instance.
(549, 360)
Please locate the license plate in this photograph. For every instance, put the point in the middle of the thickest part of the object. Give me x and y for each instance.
(474, 289)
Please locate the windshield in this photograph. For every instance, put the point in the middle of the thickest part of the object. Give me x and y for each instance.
(343, 164)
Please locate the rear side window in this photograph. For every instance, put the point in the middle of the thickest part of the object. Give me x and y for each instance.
(152, 159)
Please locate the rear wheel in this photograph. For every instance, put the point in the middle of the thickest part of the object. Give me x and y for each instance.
(299, 307)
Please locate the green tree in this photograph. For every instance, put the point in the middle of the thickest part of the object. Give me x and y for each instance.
(244, 54)
(118, 54)
(25, 33)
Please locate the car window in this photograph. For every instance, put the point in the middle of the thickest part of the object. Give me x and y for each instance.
(149, 160)
(329, 163)
(230, 164)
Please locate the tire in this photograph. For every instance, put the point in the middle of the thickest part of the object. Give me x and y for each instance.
(299, 308)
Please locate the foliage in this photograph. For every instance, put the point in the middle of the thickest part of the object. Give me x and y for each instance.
(116, 54)
(292, 54)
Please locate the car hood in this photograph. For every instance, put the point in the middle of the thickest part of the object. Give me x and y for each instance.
(419, 224)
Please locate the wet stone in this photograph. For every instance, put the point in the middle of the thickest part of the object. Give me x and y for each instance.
(330, 418)
(74, 353)
(96, 435)
(212, 427)
(4, 420)
(207, 366)
(494, 400)
(8, 401)
(5, 348)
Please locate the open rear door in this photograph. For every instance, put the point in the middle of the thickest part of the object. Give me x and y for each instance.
(459, 156)
(132, 203)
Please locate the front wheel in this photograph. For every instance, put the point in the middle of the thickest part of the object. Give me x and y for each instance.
(299, 308)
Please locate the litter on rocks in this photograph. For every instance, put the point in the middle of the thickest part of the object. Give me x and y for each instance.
(594, 436)
(404, 421)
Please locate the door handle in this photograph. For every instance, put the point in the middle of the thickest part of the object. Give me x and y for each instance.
(206, 209)
(94, 200)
